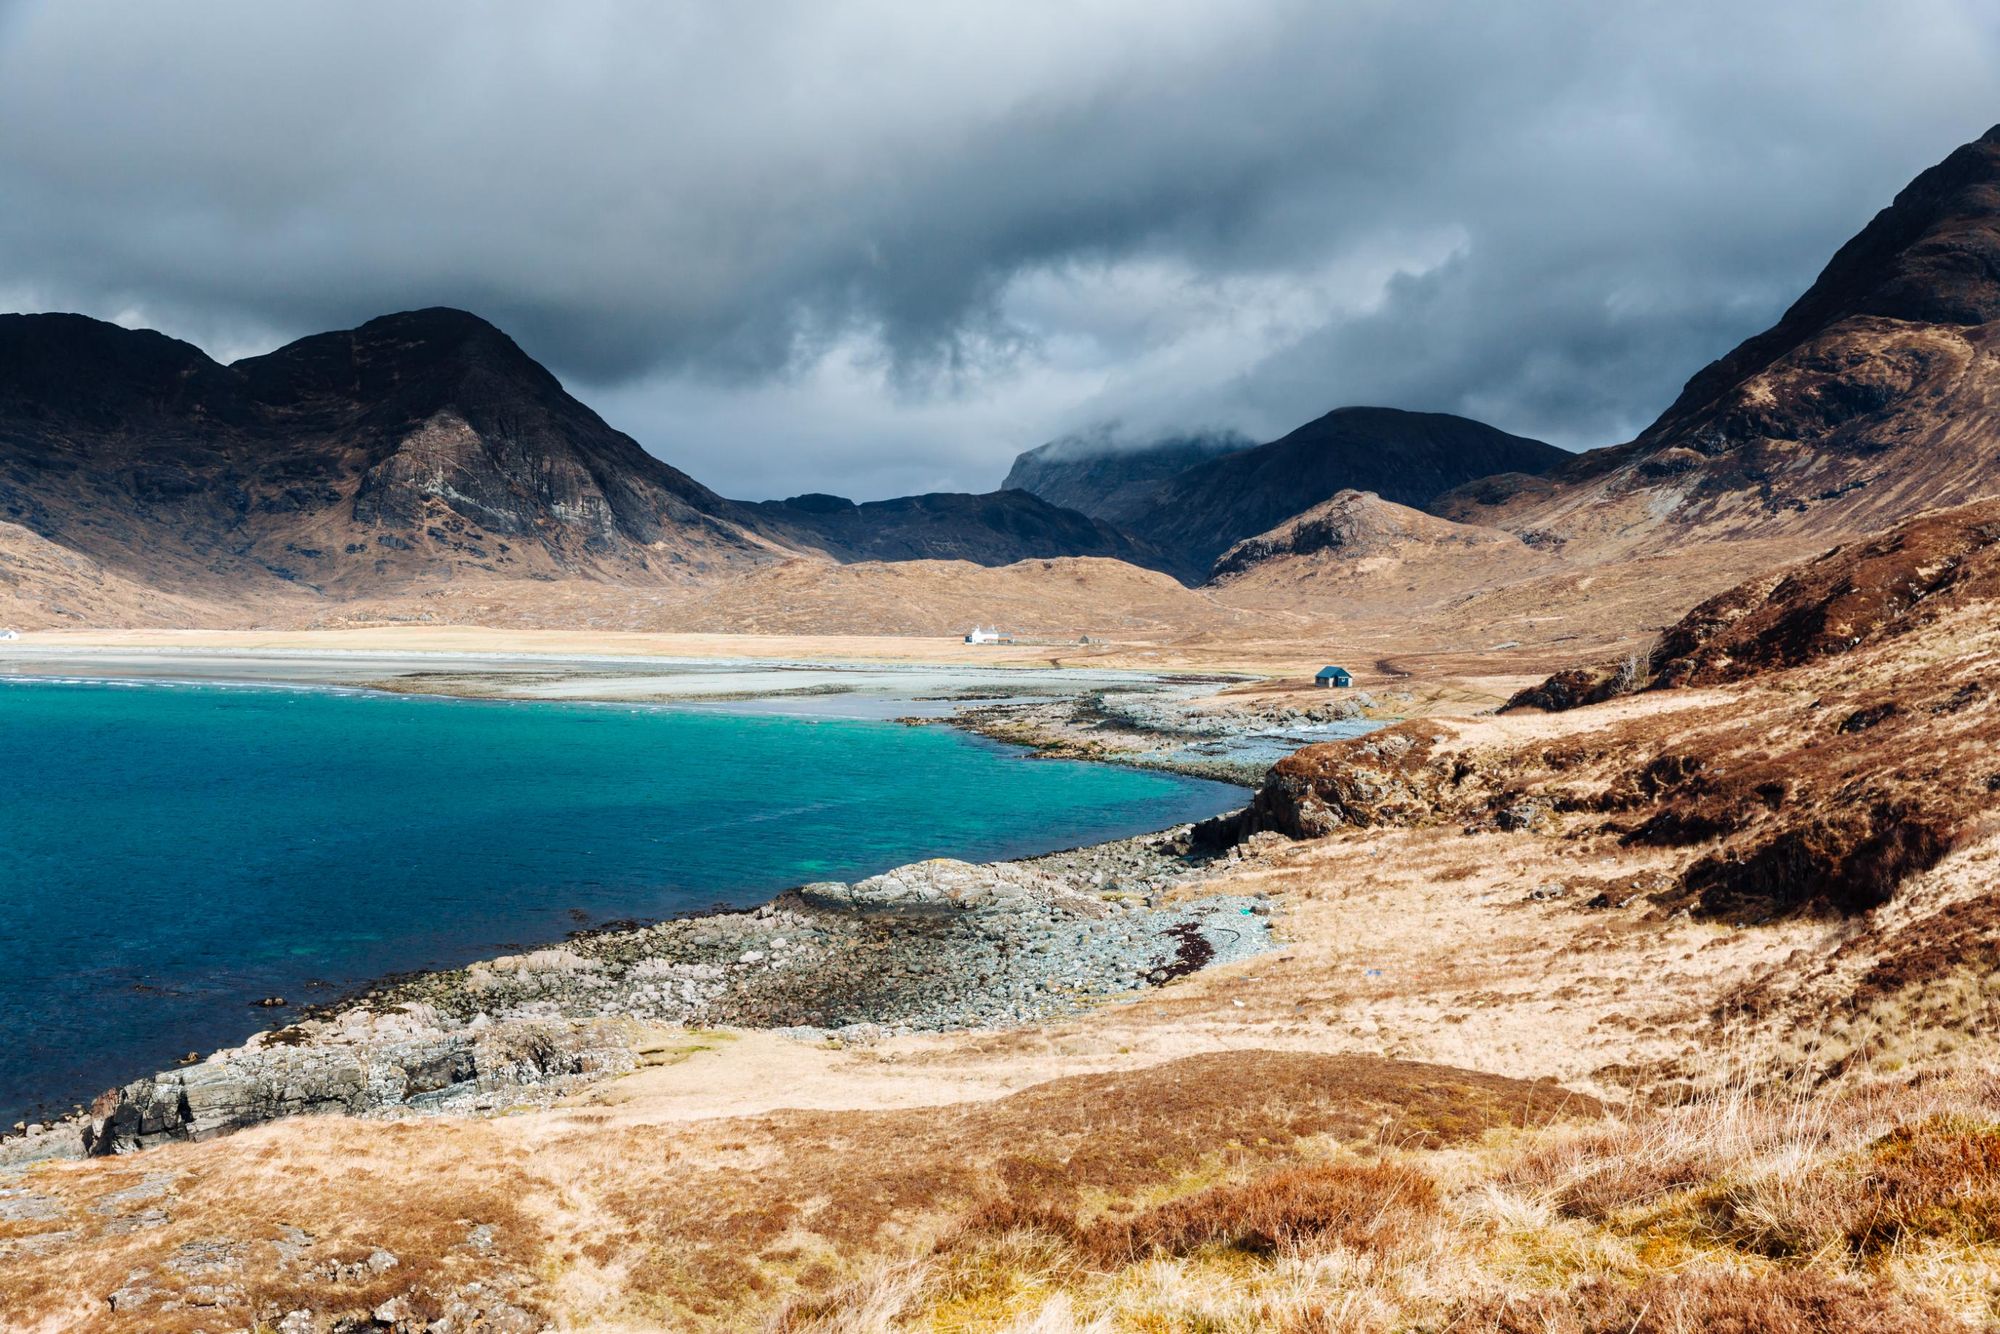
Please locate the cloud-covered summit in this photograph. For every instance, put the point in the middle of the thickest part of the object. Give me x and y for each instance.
(876, 248)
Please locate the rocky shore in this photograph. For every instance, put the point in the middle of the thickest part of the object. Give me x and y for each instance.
(932, 946)
(1190, 728)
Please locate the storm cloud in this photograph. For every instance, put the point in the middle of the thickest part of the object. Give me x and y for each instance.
(875, 248)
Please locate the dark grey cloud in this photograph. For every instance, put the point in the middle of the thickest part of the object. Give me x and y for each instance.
(880, 247)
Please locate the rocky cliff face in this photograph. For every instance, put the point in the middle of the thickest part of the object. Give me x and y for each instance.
(417, 447)
(1876, 396)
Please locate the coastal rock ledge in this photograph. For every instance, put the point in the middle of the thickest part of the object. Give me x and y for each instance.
(932, 946)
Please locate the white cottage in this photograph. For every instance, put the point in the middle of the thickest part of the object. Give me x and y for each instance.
(980, 635)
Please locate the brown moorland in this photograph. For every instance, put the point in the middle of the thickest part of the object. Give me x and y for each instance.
(1793, 1123)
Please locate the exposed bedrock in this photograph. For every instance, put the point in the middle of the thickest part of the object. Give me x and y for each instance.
(1391, 777)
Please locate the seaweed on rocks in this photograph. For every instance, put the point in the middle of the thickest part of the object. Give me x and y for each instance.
(1192, 952)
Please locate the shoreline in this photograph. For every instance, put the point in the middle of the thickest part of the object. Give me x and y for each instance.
(943, 926)
(1174, 721)
(932, 947)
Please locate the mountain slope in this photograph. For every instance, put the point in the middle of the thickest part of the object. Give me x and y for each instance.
(1892, 585)
(44, 586)
(1358, 547)
(1117, 483)
(417, 447)
(1874, 397)
(1404, 457)
(998, 528)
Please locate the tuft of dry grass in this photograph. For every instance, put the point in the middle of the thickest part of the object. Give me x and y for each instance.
(1934, 1179)
(1358, 1206)
(1707, 1301)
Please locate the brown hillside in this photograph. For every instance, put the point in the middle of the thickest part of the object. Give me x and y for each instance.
(1063, 599)
(1861, 593)
(1851, 755)
(1359, 547)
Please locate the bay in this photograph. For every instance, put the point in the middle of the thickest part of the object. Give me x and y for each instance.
(171, 853)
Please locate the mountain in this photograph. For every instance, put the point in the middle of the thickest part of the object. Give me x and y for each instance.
(1404, 457)
(142, 481)
(1352, 526)
(1874, 397)
(1358, 548)
(1194, 496)
(417, 447)
(1112, 481)
(998, 528)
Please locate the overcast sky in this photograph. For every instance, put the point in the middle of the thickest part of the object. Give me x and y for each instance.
(880, 248)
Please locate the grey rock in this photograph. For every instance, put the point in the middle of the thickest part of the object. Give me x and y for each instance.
(137, 1222)
(20, 1205)
(936, 945)
(151, 1187)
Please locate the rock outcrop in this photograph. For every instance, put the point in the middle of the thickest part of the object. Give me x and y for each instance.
(1391, 777)
(363, 1061)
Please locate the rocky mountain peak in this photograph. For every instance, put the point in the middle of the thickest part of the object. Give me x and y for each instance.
(1874, 397)
(63, 366)
(421, 447)
(1932, 257)
(437, 351)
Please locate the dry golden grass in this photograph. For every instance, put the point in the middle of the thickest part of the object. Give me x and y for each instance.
(1363, 1206)
(1594, 1229)
(707, 1224)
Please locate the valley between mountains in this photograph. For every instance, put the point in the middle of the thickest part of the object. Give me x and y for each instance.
(1633, 966)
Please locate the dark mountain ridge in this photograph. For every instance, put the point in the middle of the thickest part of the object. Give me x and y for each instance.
(1109, 480)
(1194, 497)
(997, 528)
(1407, 458)
(1873, 397)
(413, 446)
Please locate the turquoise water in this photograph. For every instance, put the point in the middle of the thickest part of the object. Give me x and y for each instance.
(171, 853)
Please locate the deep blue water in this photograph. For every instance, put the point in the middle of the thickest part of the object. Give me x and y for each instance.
(170, 853)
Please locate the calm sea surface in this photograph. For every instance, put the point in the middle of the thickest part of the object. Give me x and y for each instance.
(171, 853)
